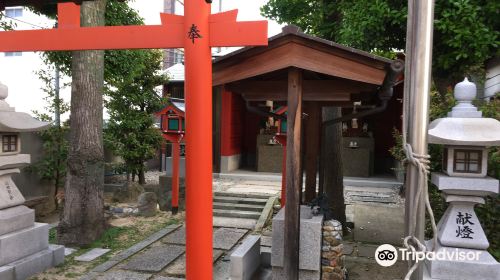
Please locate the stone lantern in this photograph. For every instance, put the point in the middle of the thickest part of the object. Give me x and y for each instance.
(466, 135)
(24, 244)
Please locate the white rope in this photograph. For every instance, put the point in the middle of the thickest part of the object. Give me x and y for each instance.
(422, 163)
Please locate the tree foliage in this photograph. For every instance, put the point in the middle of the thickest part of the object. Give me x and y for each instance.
(133, 101)
(52, 164)
(466, 32)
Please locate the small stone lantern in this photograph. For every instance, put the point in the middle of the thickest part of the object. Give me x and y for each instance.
(24, 244)
(466, 136)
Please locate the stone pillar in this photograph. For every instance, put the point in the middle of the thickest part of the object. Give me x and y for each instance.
(24, 244)
(332, 251)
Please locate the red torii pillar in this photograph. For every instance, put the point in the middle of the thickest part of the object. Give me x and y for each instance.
(197, 31)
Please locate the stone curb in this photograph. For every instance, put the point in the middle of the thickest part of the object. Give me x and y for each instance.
(266, 214)
(129, 252)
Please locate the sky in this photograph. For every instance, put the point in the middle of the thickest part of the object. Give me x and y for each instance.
(18, 73)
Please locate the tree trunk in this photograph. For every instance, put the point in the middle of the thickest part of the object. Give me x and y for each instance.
(333, 176)
(142, 177)
(83, 216)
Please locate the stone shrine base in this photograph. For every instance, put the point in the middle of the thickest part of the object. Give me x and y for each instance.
(33, 264)
(24, 245)
(485, 268)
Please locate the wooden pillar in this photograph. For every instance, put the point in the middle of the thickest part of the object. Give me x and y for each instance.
(293, 175)
(312, 133)
(198, 91)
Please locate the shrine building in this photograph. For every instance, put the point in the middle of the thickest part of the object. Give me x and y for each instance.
(250, 86)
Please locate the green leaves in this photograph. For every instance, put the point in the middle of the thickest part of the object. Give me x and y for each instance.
(466, 32)
(131, 103)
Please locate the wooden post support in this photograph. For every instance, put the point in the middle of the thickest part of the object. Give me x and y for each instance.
(282, 141)
(312, 144)
(176, 154)
(293, 175)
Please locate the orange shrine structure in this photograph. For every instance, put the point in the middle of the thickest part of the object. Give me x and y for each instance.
(173, 127)
(197, 32)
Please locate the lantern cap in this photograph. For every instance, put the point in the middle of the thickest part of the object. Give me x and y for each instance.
(465, 131)
(12, 121)
(465, 124)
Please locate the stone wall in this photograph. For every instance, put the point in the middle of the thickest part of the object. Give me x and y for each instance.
(332, 255)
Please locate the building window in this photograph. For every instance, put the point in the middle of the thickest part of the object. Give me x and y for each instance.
(173, 124)
(467, 161)
(11, 54)
(14, 12)
(9, 143)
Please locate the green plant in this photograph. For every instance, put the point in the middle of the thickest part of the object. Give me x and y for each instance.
(52, 164)
(397, 150)
(131, 104)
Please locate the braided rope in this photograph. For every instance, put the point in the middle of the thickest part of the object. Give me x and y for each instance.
(422, 163)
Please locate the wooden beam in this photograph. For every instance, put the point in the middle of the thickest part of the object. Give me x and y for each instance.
(293, 175)
(313, 90)
(312, 135)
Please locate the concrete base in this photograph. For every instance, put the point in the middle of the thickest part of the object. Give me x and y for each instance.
(33, 264)
(245, 260)
(486, 268)
(230, 163)
(16, 218)
(22, 243)
(279, 274)
(310, 240)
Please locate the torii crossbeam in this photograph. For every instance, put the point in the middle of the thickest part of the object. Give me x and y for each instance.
(197, 31)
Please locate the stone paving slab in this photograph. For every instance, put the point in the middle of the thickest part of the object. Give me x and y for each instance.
(155, 259)
(178, 267)
(135, 249)
(224, 238)
(92, 255)
(69, 251)
(167, 278)
(124, 275)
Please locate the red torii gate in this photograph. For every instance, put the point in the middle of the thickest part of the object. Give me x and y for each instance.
(197, 31)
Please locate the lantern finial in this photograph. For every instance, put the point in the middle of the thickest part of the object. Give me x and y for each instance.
(465, 93)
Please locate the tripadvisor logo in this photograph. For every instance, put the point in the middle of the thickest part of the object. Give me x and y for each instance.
(387, 255)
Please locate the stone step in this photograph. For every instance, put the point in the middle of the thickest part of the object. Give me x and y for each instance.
(371, 183)
(33, 264)
(236, 214)
(240, 200)
(22, 243)
(242, 195)
(238, 206)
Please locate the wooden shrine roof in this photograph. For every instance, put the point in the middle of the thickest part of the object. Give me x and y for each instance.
(332, 72)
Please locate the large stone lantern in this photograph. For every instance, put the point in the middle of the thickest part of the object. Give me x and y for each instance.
(24, 244)
(462, 243)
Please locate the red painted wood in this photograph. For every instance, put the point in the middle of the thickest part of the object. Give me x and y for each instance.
(232, 123)
(172, 33)
(176, 155)
(198, 89)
